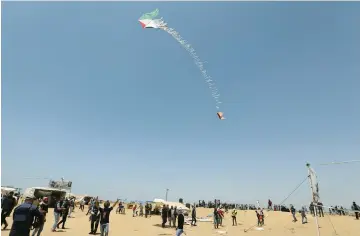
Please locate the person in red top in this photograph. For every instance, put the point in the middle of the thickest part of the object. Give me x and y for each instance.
(221, 216)
(134, 210)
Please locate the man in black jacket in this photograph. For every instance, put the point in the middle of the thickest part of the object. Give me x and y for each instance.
(7, 205)
(24, 216)
(164, 213)
(180, 226)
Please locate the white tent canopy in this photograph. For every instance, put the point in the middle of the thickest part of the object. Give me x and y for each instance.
(178, 205)
(41, 190)
(6, 190)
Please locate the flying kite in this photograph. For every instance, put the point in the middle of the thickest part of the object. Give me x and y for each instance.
(221, 115)
(150, 21)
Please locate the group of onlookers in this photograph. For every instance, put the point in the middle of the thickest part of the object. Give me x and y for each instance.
(100, 215)
(170, 214)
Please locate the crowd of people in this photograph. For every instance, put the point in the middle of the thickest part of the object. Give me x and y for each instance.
(31, 214)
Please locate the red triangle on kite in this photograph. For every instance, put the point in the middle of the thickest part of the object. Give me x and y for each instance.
(142, 24)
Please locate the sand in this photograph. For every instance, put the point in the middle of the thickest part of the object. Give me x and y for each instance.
(276, 224)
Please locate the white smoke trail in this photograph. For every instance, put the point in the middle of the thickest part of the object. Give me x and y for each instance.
(210, 82)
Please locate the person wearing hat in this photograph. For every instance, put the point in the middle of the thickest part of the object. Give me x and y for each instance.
(7, 205)
(24, 216)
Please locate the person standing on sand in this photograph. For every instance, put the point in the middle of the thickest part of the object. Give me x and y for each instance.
(356, 208)
(312, 209)
(293, 212)
(146, 210)
(72, 206)
(95, 218)
(134, 210)
(82, 205)
(193, 216)
(221, 216)
(44, 208)
(24, 216)
(233, 215)
(303, 216)
(174, 216)
(269, 205)
(141, 210)
(320, 209)
(170, 211)
(91, 205)
(164, 216)
(216, 218)
(8, 203)
(180, 225)
(65, 212)
(262, 216)
(105, 217)
(57, 212)
(118, 210)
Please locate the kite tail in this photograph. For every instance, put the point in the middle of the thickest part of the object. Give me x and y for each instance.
(210, 82)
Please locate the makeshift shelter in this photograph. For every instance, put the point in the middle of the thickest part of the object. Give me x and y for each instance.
(70, 195)
(85, 197)
(6, 190)
(39, 192)
(160, 203)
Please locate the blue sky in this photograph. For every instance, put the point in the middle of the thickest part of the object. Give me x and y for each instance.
(89, 95)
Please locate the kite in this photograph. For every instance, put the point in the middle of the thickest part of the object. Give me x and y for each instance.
(151, 21)
(221, 115)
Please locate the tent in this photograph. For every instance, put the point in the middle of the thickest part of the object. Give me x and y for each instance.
(85, 197)
(178, 205)
(39, 192)
(6, 190)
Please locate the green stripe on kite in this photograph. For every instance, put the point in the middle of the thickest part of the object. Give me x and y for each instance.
(150, 15)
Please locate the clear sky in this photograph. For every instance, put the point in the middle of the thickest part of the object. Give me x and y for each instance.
(123, 111)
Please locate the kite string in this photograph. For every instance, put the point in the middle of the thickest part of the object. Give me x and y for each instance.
(211, 83)
(282, 202)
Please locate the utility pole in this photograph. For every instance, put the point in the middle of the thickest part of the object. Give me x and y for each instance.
(315, 199)
(166, 195)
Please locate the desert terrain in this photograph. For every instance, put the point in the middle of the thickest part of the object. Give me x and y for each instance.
(276, 224)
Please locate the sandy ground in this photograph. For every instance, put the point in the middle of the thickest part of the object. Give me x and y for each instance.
(276, 223)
